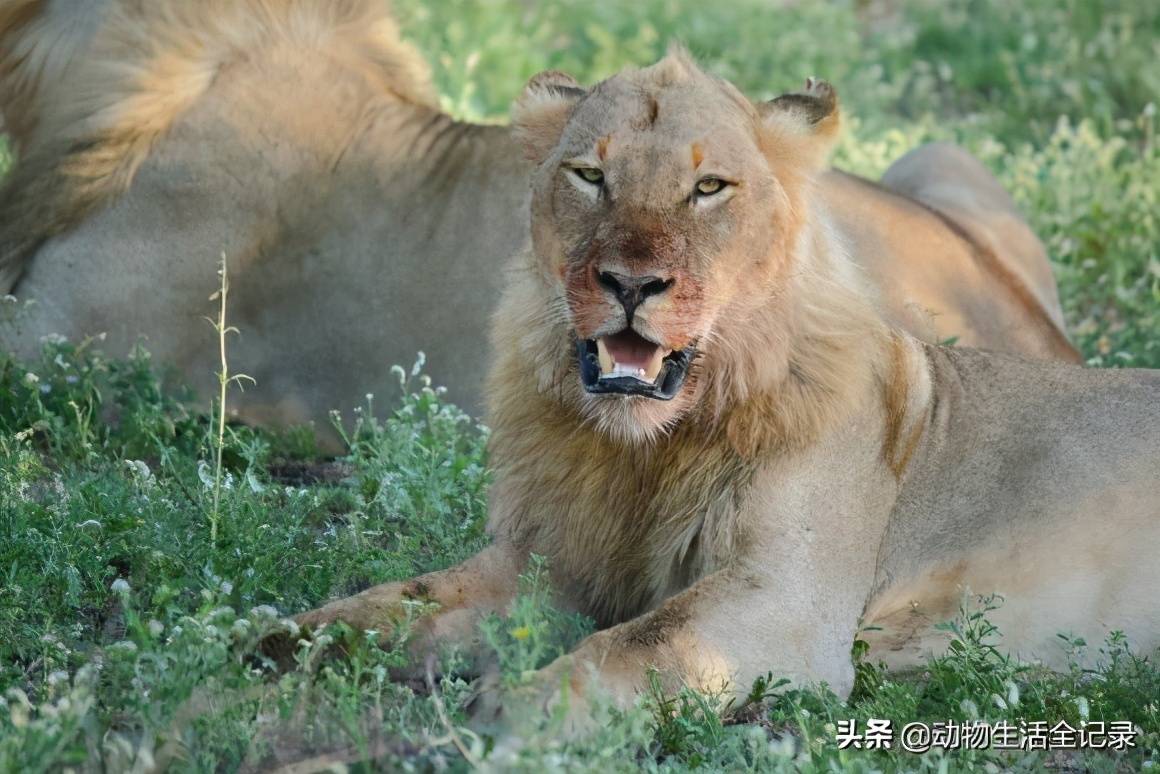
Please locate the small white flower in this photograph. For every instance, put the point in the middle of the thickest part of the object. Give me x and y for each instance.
(120, 586)
(256, 486)
(1012, 693)
(263, 611)
(223, 611)
(205, 473)
(19, 708)
(1082, 706)
(155, 627)
(139, 469)
(31, 378)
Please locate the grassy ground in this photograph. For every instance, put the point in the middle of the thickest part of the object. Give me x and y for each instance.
(127, 636)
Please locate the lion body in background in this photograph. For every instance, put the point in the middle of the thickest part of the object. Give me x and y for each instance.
(302, 140)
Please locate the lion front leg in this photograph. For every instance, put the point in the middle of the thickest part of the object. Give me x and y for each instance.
(718, 637)
(461, 595)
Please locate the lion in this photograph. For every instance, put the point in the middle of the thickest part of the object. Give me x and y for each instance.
(732, 460)
(302, 140)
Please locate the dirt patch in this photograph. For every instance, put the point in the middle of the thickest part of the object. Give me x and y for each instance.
(306, 473)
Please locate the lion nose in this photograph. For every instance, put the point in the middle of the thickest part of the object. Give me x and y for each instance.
(631, 291)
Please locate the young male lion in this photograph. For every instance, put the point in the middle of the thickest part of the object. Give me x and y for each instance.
(730, 460)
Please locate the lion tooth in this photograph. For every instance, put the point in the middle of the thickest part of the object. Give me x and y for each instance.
(606, 363)
(651, 373)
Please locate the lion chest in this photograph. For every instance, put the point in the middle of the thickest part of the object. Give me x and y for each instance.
(626, 537)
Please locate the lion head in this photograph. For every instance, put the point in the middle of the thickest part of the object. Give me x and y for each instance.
(666, 211)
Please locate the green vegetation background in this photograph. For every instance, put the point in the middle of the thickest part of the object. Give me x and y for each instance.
(117, 615)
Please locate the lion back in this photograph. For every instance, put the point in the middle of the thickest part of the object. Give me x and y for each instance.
(88, 87)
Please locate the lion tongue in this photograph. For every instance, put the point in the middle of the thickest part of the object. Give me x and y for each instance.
(629, 354)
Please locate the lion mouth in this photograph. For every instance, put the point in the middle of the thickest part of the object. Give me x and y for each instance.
(627, 363)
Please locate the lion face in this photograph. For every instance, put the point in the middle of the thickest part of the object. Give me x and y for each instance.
(659, 222)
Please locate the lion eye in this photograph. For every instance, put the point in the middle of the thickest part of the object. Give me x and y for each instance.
(710, 186)
(589, 175)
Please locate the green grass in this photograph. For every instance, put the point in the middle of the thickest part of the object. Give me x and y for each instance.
(125, 637)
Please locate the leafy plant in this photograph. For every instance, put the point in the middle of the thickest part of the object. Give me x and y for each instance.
(225, 379)
(533, 632)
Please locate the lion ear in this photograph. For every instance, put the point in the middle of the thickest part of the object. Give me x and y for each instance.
(812, 114)
(542, 111)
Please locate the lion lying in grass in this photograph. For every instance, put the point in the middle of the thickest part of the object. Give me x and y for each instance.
(362, 225)
(302, 139)
(730, 460)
